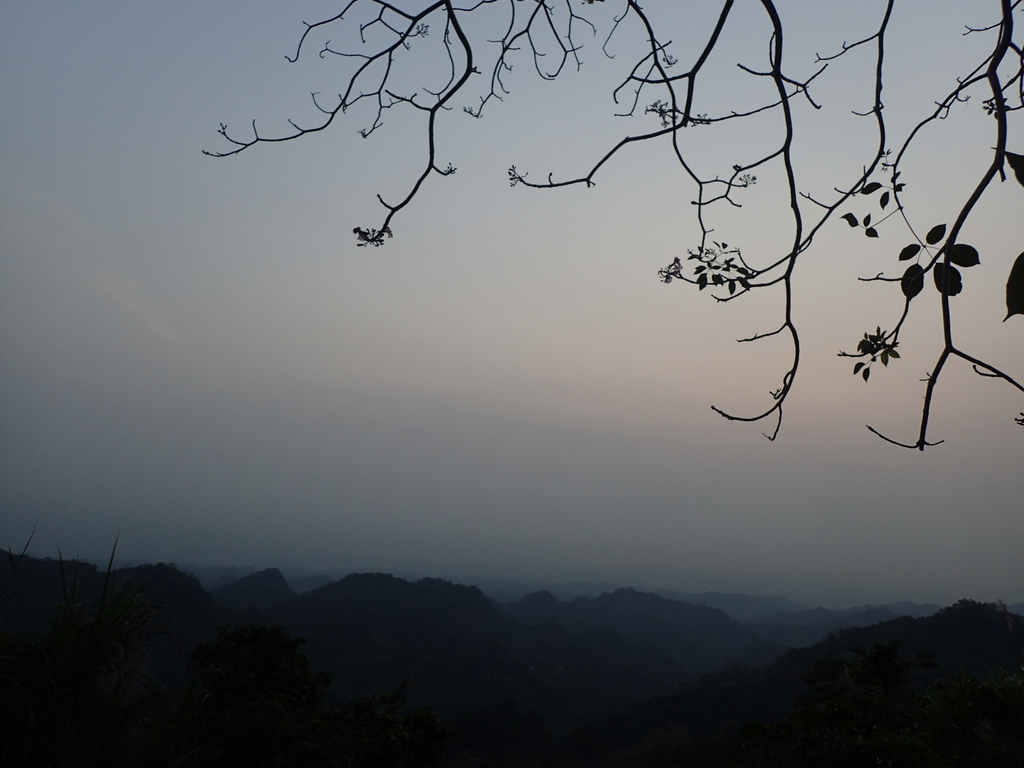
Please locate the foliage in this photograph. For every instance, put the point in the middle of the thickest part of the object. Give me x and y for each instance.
(81, 695)
(389, 41)
(865, 712)
(255, 701)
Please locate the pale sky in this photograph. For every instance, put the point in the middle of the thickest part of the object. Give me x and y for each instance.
(198, 358)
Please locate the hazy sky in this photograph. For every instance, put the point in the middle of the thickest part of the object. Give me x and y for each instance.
(196, 355)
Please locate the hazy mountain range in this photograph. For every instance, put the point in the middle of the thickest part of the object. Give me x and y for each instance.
(536, 666)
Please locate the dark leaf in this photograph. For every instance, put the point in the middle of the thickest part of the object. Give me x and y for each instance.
(964, 255)
(1017, 163)
(732, 287)
(857, 367)
(702, 282)
(894, 354)
(874, 186)
(717, 279)
(871, 232)
(885, 358)
(935, 234)
(899, 187)
(1015, 289)
(884, 200)
(867, 220)
(865, 373)
(913, 281)
(948, 280)
(910, 252)
(851, 220)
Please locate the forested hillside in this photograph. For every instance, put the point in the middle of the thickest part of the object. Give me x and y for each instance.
(607, 681)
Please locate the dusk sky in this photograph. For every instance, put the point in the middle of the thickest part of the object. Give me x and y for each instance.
(195, 356)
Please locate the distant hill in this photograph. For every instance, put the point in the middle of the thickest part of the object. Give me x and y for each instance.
(538, 681)
(376, 631)
(303, 584)
(261, 589)
(699, 638)
(799, 629)
(743, 608)
(969, 637)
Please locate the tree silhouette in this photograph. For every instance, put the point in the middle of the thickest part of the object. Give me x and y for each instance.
(665, 85)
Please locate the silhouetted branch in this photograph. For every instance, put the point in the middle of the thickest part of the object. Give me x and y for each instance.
(545, 33)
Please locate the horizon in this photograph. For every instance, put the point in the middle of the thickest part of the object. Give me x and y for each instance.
(806, 593)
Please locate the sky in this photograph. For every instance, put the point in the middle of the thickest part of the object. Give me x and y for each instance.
(196, 360)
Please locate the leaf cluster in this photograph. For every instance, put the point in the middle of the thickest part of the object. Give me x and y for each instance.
(876, 346)
(717, 265)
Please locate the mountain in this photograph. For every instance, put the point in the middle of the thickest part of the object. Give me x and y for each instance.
(261, 589)
(308, 583)
(597, 681)
(798, 629)
(703, 718)
(743, 608)
(697, 637)
(459, 654)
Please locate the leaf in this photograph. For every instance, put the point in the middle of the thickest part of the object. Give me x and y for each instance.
(885, 358)
(1017, 163)
(884, 200)
(912, 282)
(732, 287)
(857, 367)
(702, 282)
(948, 280)
(910, 252)
(935, 234)
(865, 373)
(964, 255)
(851, 220)
(867, 220)
(874, 186)
(871, 232)
(894, 354)
(1015, 289)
